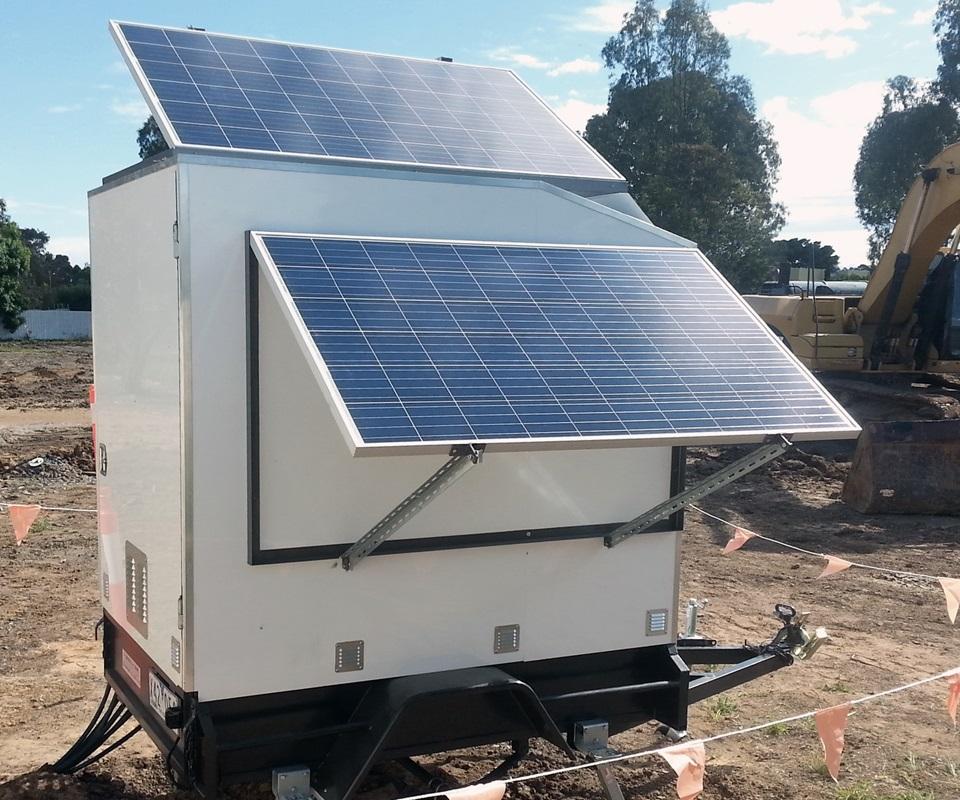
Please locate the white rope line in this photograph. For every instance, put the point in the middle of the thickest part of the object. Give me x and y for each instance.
(729, 734)
(812, 552)
(5, 505)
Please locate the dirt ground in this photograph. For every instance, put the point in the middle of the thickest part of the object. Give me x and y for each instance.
(887, 630)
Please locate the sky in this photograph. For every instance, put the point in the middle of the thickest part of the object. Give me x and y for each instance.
(69, 109)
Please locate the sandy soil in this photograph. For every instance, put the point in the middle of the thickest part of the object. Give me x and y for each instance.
(887, 631)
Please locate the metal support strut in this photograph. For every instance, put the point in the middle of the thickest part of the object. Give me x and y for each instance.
(698, 491)
(462, 458)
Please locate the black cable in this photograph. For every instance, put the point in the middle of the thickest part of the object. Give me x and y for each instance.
(88, 757)
(111, 721)
(85, 747)
(82, 740)
(95, 758)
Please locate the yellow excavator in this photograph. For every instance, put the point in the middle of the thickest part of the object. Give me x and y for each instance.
(898, 347)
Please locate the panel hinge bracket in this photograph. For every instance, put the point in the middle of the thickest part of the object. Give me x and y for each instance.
(176, 239)
(462, 458)
(755, 458)
(180, 612)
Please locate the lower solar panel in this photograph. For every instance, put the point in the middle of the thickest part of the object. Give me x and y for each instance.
(451, 343)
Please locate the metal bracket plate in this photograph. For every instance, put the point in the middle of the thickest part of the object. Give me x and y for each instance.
(349, 656)
(739, 468)
(462, 458)
(292, 783)
(591, 739)
(506, 639)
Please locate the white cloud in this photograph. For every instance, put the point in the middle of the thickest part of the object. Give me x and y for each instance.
(64, 109)
(77, 248)
(510, 55)
(924, 16)
(819, 143)
(133, 110)
(795, 28)
(576, 112)
(31, 205)
(577, 66)
(601, 18)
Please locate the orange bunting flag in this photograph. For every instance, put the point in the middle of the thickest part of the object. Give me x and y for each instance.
(689, 761)
(831, 723)
(740, 537)
(481, 791)
(22, 517)
(951, 589)
(953, 696)
(834, 565)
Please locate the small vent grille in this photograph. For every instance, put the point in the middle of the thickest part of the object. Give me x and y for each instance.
(349, 656)
(106, 589)
(137, 588)
(506, 639)
(175, 653)
(657, 620)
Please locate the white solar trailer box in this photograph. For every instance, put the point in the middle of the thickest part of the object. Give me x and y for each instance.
(369, 426)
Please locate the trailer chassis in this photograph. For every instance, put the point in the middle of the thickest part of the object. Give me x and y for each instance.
(328, 739)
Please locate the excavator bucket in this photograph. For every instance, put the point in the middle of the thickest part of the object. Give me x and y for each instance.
(906, 468)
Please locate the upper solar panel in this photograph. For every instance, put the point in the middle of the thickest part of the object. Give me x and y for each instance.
(452, 342)
(226, 92)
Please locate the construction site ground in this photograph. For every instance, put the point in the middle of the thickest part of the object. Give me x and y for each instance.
(887, 630)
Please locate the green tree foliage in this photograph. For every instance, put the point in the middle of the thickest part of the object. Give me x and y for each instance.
(14, 261)
(914, 125)
(803, 253)
(946, 27)
(685, 134)
(52, 281)
(150, 139)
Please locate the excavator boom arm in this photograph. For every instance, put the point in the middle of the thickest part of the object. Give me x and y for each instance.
(936, 196)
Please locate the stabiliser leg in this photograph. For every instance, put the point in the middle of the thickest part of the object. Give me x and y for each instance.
(591, 739)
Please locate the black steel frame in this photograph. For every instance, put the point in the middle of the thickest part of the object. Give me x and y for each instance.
(342, 731)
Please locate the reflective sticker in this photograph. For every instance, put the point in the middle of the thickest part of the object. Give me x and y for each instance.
(130, 667)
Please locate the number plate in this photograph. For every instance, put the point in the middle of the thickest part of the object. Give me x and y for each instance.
(161, 698)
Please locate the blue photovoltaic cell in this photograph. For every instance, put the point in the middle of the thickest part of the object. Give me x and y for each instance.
(234, 93)
(446, 342)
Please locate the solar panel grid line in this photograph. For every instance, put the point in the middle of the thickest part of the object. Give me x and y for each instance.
(341, 414)
(510, 405)
(593, 380)
(185, 81)
(473, 431)
(392, 387)
(593, 393)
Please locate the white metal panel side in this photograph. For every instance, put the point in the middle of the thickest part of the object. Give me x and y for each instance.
(270, 628)
(314, 492)
(137, 412)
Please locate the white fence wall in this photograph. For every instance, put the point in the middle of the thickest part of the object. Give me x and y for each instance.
(51, 324)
